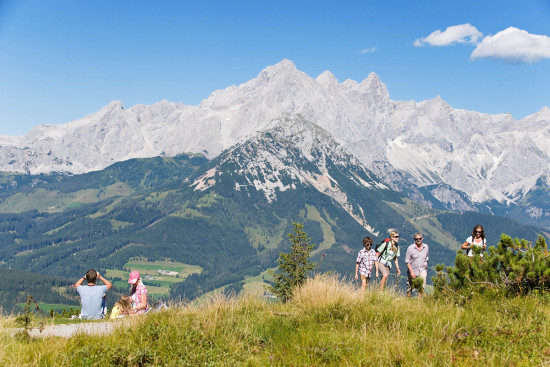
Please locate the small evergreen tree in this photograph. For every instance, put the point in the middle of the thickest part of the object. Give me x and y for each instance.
(293, 266)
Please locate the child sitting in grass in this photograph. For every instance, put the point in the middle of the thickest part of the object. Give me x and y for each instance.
(122, 307)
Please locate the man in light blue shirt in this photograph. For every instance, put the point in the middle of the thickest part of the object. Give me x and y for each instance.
(92, 296)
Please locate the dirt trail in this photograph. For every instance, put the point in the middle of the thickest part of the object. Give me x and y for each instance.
(69, 330)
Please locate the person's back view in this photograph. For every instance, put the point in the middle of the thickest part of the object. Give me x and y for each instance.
(92, 295)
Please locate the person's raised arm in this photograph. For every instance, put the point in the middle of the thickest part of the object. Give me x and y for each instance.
(79, 282)
(105, 281)
(465, 245)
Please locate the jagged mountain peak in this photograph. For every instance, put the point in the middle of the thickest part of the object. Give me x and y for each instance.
(290, 153)
(543, 115)
(113, 105)
(374, 87)
(285, 65)
(326, 78)
(284, 69)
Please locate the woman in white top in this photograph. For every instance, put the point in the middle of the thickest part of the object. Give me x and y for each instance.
(476, 239)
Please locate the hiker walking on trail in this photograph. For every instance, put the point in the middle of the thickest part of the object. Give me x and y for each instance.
(416, 258)
(366, 259)
(92, 296)
(477, 239)
(386, 252)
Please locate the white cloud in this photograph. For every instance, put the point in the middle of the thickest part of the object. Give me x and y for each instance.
(368, 50)
(514, 45)
(463, 33)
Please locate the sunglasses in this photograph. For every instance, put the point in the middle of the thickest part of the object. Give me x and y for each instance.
(477, 232)
(419, 239)
(395, 236)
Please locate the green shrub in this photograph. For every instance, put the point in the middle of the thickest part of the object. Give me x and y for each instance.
(513, 268)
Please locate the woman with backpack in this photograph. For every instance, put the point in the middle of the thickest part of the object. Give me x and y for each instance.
(387, 252)
(477, 239)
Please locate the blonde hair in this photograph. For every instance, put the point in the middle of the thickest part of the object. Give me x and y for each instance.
(125, 303)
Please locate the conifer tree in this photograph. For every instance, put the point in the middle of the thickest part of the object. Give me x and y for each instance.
(293, 266)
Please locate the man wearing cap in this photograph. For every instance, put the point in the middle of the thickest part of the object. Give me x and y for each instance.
(138, 294)
(92, 296)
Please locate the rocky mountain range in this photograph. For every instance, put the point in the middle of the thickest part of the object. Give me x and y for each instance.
(461, 159)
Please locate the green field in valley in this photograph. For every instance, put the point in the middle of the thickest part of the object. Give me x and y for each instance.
(157, 284)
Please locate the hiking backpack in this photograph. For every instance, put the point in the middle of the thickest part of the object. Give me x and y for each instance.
(385, 244)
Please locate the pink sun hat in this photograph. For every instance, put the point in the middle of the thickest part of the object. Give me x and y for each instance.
(134, 276)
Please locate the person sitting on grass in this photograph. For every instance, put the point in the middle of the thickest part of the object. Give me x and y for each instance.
(122, 307)
(92, 296)
(138, 294)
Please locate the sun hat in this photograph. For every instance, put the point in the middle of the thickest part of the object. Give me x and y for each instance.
(134, 276)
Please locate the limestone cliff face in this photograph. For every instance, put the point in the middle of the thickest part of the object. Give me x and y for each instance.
(406, 144)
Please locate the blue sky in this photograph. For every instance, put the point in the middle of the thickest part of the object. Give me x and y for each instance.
(61, 60)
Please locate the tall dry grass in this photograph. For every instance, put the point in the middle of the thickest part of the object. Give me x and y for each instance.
(328, 322)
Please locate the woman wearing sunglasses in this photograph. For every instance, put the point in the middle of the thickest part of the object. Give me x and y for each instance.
(477, 239)
(387, 252)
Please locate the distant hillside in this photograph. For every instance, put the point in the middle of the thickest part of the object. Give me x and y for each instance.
(15, 285)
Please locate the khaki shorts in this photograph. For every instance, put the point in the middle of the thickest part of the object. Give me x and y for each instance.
(423, 274)
(383, 269)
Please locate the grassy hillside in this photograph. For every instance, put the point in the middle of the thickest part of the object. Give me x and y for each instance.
(329, 323)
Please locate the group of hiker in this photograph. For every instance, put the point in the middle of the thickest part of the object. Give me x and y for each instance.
(92, 297)
(380, 258)
(416, 258)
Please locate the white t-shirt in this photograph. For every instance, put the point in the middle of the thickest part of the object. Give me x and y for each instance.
(471, 242)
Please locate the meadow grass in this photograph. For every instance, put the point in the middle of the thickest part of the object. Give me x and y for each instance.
(328, 322)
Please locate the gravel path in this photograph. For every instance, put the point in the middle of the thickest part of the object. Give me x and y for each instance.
(69, 330)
